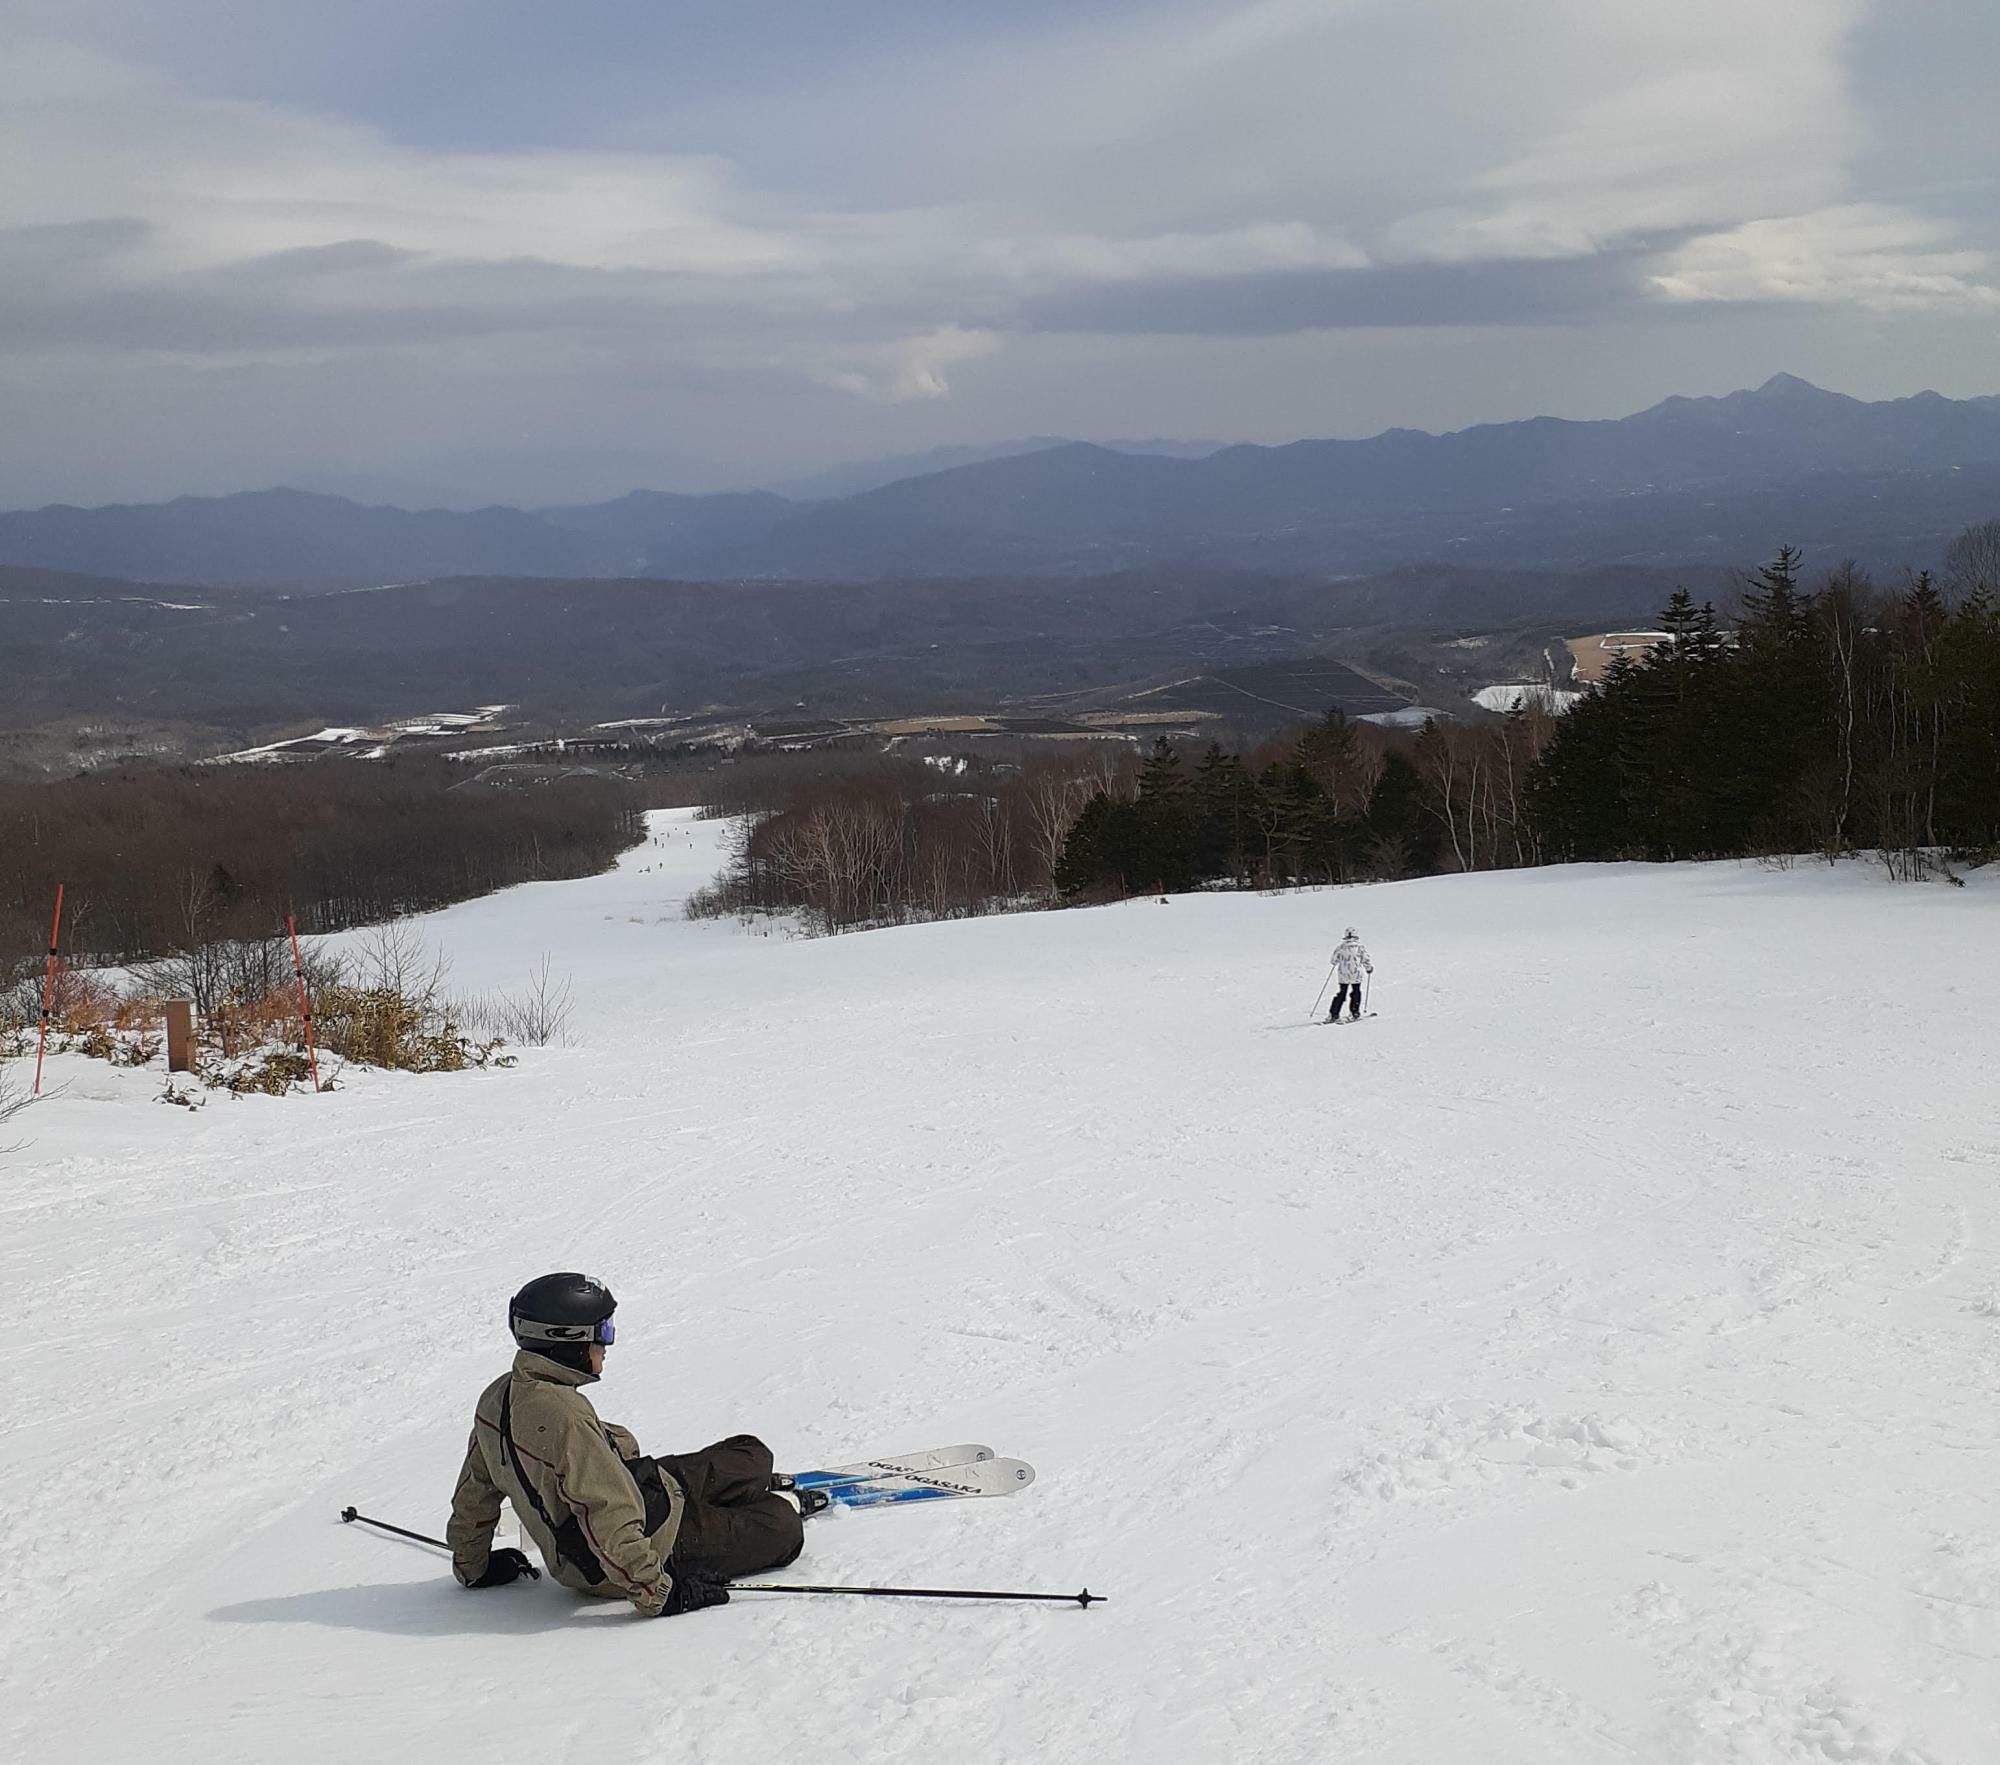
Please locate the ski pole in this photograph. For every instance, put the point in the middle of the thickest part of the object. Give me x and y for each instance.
(1367, 988)
(49, 989)
(350, 1515)
(1085, 1599)
(1321, 994)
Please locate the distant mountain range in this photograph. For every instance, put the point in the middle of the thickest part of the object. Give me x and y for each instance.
(852, 480)
(1692, 480)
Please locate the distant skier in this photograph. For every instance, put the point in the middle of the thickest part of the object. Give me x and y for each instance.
(1350, 965)
(665, 1533)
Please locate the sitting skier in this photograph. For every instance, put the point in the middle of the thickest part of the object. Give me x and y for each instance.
(665, 1533)
(1350, 964)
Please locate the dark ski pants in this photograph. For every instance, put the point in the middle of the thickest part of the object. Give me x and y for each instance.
(733, 1524)
(1340, 999)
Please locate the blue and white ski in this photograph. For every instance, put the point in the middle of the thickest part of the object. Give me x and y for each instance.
(936, 1458)
(982, 1477)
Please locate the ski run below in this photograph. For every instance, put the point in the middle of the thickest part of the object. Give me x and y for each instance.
(1593, 1360)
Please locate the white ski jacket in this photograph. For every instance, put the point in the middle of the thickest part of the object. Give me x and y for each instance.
(1350, 962)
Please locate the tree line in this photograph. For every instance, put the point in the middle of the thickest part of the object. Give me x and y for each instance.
(1838, 718)
(852, 840)
(849, 841)
(163, 863)
(1834, 719)
(1336, 802)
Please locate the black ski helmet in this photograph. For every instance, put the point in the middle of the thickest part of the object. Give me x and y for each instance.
(561, 1316)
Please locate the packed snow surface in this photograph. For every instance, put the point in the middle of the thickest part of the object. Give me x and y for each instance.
(1591, 1357)
(1514, 695)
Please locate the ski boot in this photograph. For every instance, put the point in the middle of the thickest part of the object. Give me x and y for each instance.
(808, 1501)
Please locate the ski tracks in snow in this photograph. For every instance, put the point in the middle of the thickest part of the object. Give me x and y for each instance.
(1563, 1371)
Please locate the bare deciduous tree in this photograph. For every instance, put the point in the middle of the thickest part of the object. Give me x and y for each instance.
(1057, 791)
(394, 958)
(1972, 560)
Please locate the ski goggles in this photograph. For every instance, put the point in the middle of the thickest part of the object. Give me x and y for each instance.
(602, 1332)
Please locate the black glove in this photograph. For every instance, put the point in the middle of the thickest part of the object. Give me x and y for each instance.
(504, 1566)
(691, 1594)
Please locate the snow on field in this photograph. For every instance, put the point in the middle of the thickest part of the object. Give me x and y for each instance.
(1593, 1357)
(1515, 694)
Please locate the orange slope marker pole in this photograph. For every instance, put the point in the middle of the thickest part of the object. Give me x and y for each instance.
(305, 1009)
(48, 989)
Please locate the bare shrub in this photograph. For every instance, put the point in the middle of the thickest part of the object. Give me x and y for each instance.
(20, 1003)
(394, 958)
(536, 1017)
(271, 1076)
(12, 1101)
(1917, 864)
(376, 1026)
(385, 1006)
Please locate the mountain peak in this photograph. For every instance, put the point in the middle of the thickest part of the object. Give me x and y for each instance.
(1790, 386)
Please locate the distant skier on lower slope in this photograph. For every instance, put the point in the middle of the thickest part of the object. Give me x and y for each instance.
(1350, 969)
(665, 1533)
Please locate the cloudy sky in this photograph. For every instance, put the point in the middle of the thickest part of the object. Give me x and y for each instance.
(545, 249)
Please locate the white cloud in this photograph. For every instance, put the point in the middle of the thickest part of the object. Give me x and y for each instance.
(1222, 168)
(1064, 259)
(909, 367)
(1881, 259)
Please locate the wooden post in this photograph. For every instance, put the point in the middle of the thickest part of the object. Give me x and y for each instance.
(180, 1035)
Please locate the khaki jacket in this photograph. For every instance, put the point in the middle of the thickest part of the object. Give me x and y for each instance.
(576, 1464)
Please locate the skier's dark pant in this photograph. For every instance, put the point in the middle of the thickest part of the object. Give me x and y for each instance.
(1340, 998)
(733, 1524)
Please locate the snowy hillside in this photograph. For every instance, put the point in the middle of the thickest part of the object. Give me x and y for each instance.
(1591, 1358)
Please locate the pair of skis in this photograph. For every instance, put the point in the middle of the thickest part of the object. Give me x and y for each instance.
(940, 1473)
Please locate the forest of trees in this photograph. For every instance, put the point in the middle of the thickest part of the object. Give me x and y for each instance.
(159, 863)
(860, 841)
(1338, 802)
(853, 840)
(1837, 718)
(1834, 720)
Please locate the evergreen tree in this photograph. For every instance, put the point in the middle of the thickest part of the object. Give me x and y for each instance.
(1098, 850)
(1674, 794)
(1399, 837)
(1779, 714)
(1969, 765)
(1162, 783)
(1223, 800)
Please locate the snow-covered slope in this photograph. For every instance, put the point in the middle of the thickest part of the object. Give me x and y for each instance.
(1593, 1357)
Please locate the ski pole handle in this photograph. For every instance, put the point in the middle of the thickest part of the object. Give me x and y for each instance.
(1085, 1599)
